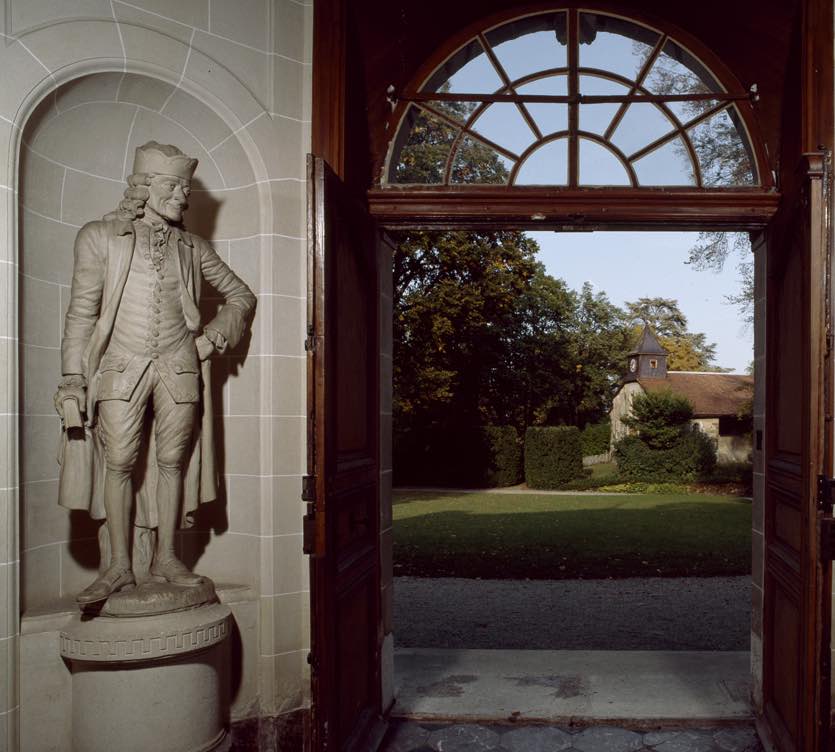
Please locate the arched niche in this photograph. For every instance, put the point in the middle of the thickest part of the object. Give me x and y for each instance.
(76, 150)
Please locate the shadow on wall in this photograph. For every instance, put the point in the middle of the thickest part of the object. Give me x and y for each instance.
(77, 151)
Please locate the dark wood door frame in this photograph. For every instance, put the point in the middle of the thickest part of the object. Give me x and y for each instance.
(492, 208)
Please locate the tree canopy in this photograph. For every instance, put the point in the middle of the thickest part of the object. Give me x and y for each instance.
(687, 351)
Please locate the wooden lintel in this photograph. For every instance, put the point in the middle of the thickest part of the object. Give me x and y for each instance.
(567, 209)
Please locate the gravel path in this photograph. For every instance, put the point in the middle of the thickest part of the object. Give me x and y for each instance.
(711, 613)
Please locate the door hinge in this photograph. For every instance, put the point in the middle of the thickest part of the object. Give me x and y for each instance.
(309, 343)
(313, 663)
(309, 531)
(309, 488)
(826, 489)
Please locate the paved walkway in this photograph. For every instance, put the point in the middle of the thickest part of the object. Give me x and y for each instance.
(669, 613)
(407, 736)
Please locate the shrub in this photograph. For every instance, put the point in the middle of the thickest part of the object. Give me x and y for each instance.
(595, 438)
(552, 456)
(690, 458)
(504, 466)
(660, 418)
(458, 456)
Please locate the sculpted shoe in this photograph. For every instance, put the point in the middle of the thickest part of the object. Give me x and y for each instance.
(114, 578)
(174, 571)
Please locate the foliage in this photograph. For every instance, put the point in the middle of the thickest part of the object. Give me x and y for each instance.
(723, 160)
(549, 536)
(505, 466)
(595, 438)
(687, 351)
(690, 458)
(462, 456)
(642, 487)
(552, 456)
(660, 418)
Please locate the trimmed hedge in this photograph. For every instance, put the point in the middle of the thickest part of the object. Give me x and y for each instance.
(553, 456)
(458, 456)
(690, 458)
(595, 438)
(505, 456)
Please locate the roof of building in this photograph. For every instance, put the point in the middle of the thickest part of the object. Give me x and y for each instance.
(711, 394)
(648, 344)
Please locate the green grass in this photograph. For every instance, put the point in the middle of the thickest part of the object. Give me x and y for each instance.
(513, 536)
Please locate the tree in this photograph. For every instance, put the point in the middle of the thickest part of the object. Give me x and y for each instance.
(660, 418)
(687, 351)
(724, 160)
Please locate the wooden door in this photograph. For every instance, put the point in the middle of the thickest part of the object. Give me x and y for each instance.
(796, 579)
(342, 525)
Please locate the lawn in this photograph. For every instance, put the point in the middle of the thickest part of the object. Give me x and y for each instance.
(515, 536)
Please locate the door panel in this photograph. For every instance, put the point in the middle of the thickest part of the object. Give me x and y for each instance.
(342, 525)
(797, 584)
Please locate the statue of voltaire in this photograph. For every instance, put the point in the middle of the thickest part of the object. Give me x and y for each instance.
(134, 362)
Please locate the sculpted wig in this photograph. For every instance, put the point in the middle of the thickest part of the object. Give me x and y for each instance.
(151, 159)
(132, 206)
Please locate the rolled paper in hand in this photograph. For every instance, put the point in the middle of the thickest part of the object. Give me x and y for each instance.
(72, 415)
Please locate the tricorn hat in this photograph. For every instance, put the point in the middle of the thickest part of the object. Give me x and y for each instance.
(163, 159)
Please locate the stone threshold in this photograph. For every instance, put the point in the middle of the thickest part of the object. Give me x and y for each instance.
(636, 689)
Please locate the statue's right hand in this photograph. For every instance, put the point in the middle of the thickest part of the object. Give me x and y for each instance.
(74, 388)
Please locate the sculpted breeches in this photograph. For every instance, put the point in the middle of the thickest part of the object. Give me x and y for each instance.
(121, 423)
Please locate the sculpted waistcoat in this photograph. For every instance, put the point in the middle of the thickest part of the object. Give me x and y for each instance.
(150, 326)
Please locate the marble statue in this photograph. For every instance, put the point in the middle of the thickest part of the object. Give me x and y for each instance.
(135, 398)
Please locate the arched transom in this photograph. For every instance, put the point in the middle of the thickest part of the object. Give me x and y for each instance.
(573, 98)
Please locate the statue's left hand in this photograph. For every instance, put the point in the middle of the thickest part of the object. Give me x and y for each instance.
(71, 387)
(205, 348)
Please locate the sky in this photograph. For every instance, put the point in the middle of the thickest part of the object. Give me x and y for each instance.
(626, 266)
(632, 265)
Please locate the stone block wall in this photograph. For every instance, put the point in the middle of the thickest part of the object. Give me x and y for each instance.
(85, 82)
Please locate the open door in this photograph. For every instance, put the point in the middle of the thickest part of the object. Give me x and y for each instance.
(797, 588)
(342, 526)
(797, 581)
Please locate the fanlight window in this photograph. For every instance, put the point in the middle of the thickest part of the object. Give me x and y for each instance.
(573, 99)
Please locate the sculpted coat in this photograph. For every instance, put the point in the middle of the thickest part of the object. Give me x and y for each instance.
(103, 254)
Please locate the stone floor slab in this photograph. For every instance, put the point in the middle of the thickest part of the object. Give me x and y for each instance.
(688, 741)
(536, 739)
(608, 739)
(463, 738)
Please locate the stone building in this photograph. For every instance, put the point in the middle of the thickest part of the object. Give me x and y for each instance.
(719, 400)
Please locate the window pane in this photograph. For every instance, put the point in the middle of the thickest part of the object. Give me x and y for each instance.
(613, 44)
(548, 165)
(676, 71)
(476, 163)
(597, 85)
(423, 157)
(640, 126)
(550, 118)
(668, 165)
(468, 71)
(458, 111)
(686, 111)
(597, 117)
(721, 149)
(598, 166)
(556, 86)
(504, 125)
(531, 44)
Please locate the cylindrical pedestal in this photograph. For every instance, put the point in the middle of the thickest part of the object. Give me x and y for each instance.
(150, 683)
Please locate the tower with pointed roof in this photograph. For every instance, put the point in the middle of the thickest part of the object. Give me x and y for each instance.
(648, 360)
